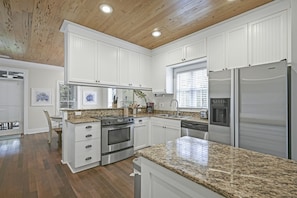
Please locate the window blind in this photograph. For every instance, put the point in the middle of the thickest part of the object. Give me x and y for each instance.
(192, 88)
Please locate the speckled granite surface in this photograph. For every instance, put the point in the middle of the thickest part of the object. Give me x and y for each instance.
(229, 171)
(82, 120)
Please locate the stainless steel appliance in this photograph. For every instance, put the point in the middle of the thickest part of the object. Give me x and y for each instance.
(194, 129)
(137, 177)
(150, 107)
(117, 138)
(259, 108)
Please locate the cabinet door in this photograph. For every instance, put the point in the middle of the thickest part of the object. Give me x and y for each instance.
(157, 133)
(172, 133)
(81, 59)
(195, 50)
(134, 69)
(145, 70)
(268, 39)
(237, 47)
(175, 56)
(140, 136)
(124, 67)
(216, 52)
(108, 63)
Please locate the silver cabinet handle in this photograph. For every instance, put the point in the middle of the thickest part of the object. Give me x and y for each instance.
(88, 127)
(88, 146)
(88, 158)
(89, 135)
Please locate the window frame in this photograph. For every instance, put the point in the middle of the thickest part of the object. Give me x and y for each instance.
(185, 68)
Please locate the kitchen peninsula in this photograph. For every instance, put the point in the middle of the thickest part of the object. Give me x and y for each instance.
(190, 167)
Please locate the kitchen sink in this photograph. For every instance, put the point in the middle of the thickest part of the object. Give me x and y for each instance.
(172, 116)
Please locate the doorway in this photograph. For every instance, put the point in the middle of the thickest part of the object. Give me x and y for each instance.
(11, 102)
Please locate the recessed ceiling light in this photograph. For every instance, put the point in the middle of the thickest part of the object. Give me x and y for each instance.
(156, 33)
(106, 8)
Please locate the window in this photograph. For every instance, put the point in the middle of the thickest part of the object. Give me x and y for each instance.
(191, 86)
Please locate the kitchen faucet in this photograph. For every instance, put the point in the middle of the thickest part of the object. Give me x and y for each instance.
(177, 109)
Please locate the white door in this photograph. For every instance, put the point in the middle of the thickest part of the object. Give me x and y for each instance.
(216, 52)
(157, 133)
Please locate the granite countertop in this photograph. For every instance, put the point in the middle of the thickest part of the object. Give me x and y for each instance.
(226, 170)
(82, 120)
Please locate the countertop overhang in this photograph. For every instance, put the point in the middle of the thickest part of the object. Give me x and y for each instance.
(226, 170)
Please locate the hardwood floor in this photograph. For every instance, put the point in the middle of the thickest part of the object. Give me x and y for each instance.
(29, 167)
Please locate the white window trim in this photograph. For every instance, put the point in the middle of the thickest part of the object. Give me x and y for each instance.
(185, 67)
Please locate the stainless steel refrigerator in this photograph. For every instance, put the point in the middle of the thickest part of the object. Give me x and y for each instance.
(259, 109)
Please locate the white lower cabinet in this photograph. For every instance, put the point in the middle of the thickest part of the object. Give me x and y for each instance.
(141, 133)
(84, 146)
(157, 181)
(163, 130)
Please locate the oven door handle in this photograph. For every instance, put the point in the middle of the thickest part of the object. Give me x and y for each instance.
(117, 126)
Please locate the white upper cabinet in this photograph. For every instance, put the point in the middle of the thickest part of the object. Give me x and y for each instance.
(98, 59)
(124, 67)
(216, 52)
(108, 64)
(268, 39)
(145, 70)
(158, 76)
(187, 52)
(81, 59)
(237, 47)
(134, 69)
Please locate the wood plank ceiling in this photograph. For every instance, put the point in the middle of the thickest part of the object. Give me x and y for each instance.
(29, 29)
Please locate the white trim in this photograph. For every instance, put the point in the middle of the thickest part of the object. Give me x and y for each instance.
(24, 64)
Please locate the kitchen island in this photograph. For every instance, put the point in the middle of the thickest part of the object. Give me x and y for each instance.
(187, 166)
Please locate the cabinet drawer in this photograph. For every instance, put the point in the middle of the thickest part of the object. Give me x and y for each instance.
(87, 131)
(87, 152)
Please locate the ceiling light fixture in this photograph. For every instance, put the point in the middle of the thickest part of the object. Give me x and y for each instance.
(156, 33)
(106, 8)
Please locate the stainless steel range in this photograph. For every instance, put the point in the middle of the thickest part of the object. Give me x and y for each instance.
(117, 138)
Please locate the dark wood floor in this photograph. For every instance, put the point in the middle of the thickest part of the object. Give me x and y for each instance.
(29, 167)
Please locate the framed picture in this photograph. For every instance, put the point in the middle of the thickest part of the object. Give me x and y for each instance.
(89, 98)
(41, 97)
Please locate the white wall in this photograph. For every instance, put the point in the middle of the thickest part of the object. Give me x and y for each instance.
(36, 76)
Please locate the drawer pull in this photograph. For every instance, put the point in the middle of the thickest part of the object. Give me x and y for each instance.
(88, 158)
(88, 127)
(88, 146)
(89, 135)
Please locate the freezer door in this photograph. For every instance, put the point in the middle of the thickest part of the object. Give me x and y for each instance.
(263, 109)
(220, 86)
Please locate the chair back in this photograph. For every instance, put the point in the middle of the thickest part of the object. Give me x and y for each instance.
(50, 127)
(49, 121)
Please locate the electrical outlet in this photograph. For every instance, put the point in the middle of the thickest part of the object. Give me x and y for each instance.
(77, 113)
(161, 104)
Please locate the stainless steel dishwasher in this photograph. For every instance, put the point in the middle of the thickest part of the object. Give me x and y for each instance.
(194, 129)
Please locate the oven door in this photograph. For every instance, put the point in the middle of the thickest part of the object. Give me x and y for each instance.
(117, 137)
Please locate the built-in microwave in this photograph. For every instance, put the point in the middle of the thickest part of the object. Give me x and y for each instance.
(220, 111)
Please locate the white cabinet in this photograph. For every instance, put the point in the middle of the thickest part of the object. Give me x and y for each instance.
(268, 39)
(258, 42)
(216, 52)
(187, 52)
(161, 76)
(134, 69)
(157, 181)
(237, 47)
(163, 130)
(108, 56)
(81, 59)
(141, 133)
(84, 146)
(145, 70)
